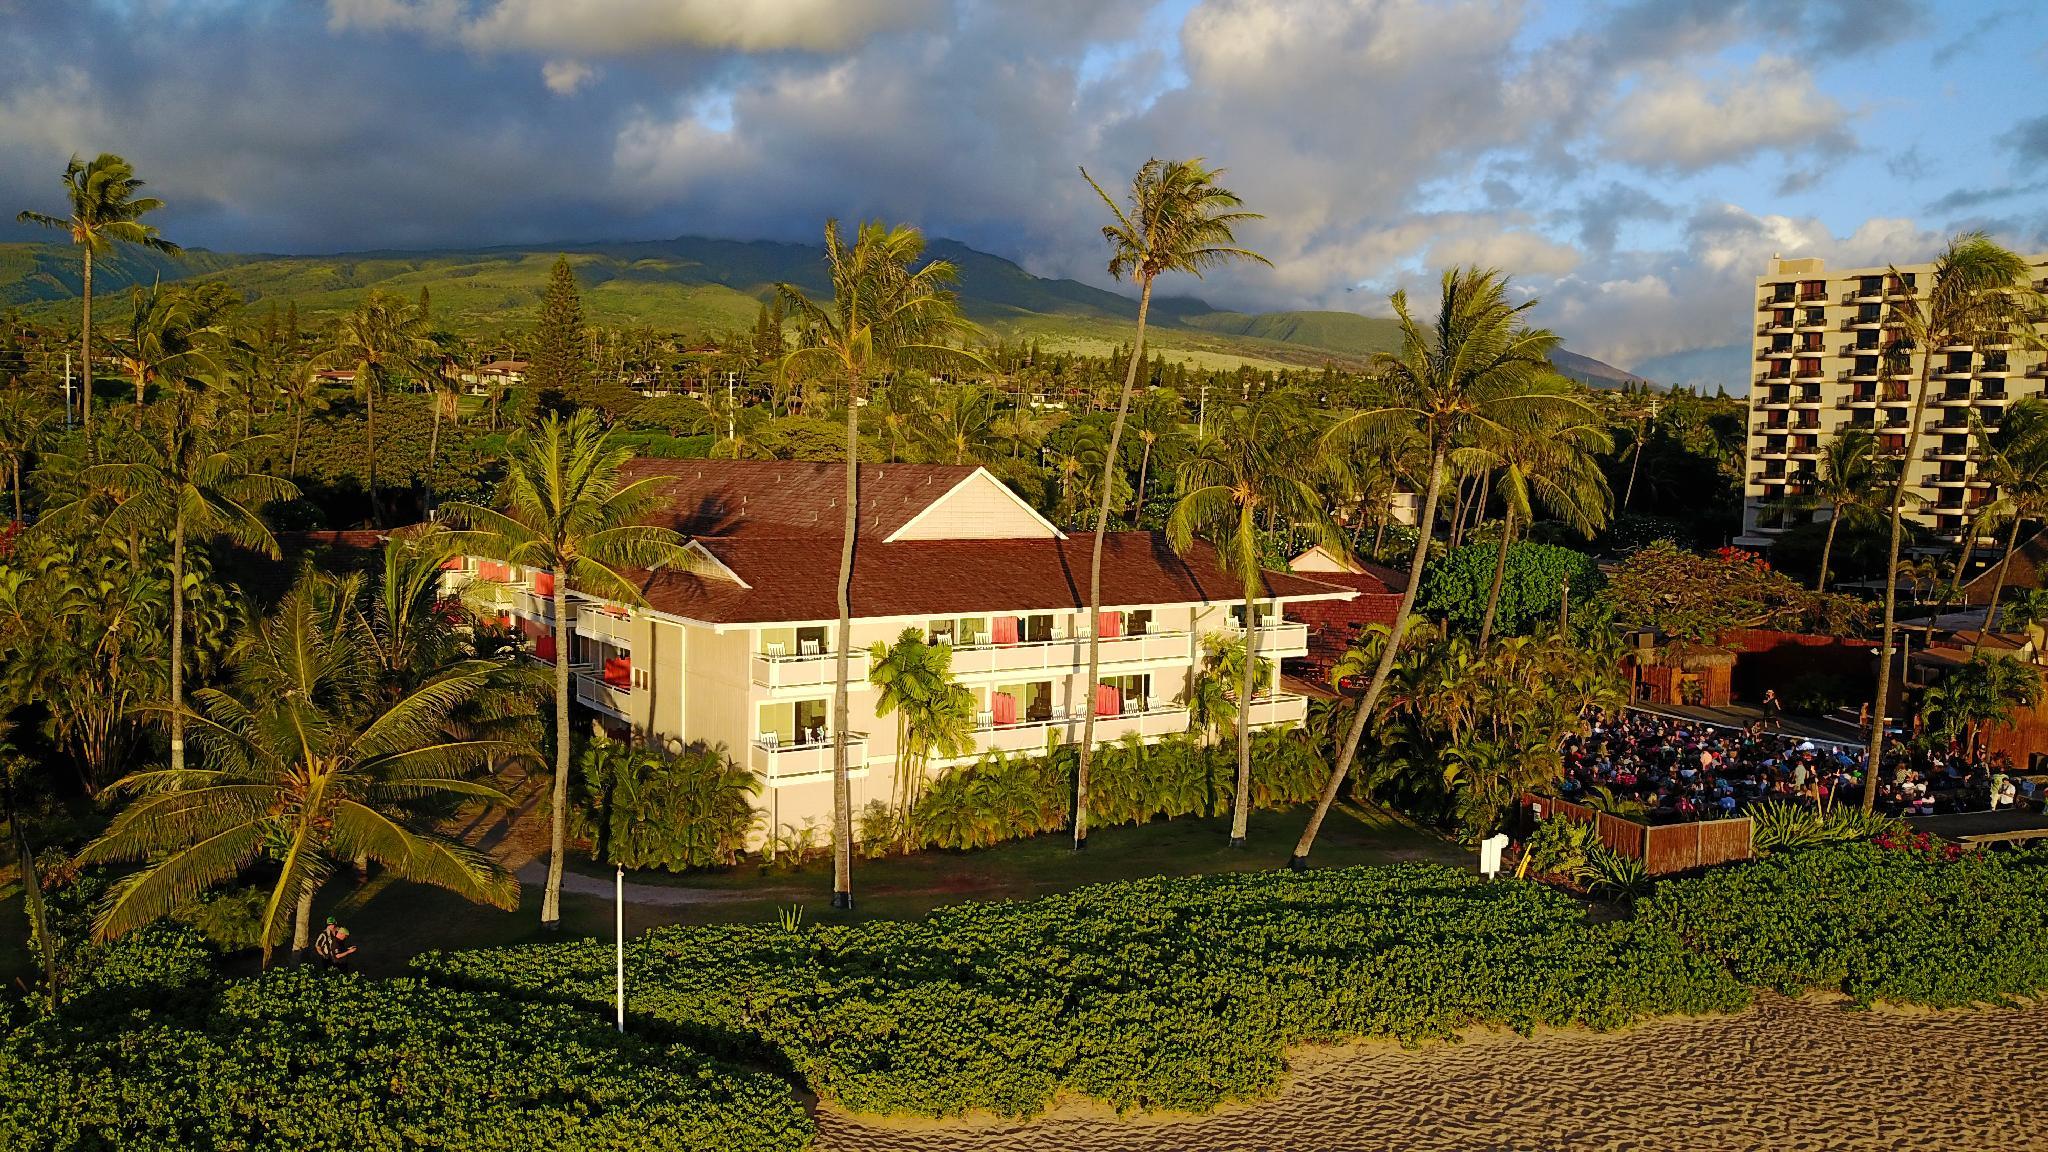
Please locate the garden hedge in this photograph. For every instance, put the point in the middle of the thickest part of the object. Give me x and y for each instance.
(1179, 994)
(306, 1061)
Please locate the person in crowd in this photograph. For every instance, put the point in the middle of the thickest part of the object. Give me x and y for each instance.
(332, 947)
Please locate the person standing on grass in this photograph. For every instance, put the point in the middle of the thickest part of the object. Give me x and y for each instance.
(332, 948)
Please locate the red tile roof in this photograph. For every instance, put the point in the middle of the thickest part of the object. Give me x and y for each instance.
(1332, 624)
(800, 498)
(796, 578)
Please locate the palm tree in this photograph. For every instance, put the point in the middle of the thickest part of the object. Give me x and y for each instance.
(304, 768)
(567, 514)
(2016, 463)
(1850, 482)
(1981, 295)
(304, 394)
(1178, 220)
(383, 339)
(1213, 692)
(1546, 458)
(1243, 475)
(959, 422)
(175, 335)
(1156, 424)
(1638, 408)
(24, 425)
(934, 712)
(1476, 365)
(444, 391)
(193, 482)
(104, 212)
(887, 312)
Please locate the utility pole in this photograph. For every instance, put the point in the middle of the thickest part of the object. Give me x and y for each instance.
(1202, 413)
(67, 389)
(730, 415)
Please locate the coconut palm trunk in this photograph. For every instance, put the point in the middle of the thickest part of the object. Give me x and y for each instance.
(2012, 541)
(1875, 749)
(842, 785)
(1431, 492)
(433, 448)
(178, 639)
(1144, 465)
(85, 347)
(558, 805)
(1116, 435)
(370, 435)
(1241, 811)
(1629, 493)
(302, 921)
(1827, 550)
(1500, 570)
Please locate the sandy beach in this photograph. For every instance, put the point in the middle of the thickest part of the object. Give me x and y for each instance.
(1790, 1076)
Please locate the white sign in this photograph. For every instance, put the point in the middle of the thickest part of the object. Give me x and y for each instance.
(1490, 850)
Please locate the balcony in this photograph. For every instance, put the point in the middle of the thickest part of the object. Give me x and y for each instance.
(809, 669)
(1809, 324)
(1769, 453)
(1951, 400)
(1997, 370)
(1944, 453)
(1069, 654)
(1282, 640)
(1773, 325)
(1772, 401)
(2038, 371)
(778, 764)
(594, 691)
(1279, 708)
(1762, 428)
(1033, 735)
(605, 626)
(1954, 481)
(1853, 323)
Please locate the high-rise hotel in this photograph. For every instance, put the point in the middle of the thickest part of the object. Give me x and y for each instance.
(1819, 367)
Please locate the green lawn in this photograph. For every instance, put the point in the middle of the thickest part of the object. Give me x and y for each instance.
(393, 921)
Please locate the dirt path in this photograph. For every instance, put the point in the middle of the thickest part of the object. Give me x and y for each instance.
(1791, 1076)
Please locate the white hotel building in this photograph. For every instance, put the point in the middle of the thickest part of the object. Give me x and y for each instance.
(736, 648)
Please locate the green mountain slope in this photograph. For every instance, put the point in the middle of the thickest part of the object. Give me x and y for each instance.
(701, 285)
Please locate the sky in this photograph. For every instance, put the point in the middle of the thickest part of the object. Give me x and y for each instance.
(1631, 163)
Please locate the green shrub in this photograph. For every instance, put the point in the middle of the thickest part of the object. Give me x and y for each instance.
(1455, 585)
(646, 807)
(318, 1062)
(1160, 993)
(1873, 923)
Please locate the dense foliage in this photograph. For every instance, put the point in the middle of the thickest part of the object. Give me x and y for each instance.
(1873, 922)
(1702, 598)
(1001, 797)
(1156, 993)
(649, 807)
(317, 1062)
(1454, 586)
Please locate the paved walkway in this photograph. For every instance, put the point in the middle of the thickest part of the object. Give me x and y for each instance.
(535, 874)
(1743, 715)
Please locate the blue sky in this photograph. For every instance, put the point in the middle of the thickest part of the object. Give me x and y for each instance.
(1631, 162)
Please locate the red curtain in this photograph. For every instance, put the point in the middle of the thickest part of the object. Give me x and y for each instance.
(1006, 629)
(544, 647)
(1110, 624)
(543, 583)
(618, 672)
(1002, 708)
(1108, 701)
(493, 570)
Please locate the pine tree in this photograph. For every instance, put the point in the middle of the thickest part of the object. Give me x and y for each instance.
(426, 304)
(559, 377)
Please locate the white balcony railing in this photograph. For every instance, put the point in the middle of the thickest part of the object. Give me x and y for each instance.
(1283, 639)
(808, 670)
(778, 764)
(1069, 654)
(1280, 708)
(592, 690)
(1033, 735)
(605, 627)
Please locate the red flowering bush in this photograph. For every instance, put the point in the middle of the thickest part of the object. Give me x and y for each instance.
(1925, 845)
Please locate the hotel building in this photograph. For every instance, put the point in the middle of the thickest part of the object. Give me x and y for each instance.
(1819, 367)
(736, 647)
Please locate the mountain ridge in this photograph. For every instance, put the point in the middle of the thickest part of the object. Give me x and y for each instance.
(704, 283)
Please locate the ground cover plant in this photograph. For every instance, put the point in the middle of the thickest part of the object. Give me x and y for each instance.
(1178, 994)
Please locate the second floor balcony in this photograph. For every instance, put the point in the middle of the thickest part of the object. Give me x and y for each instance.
(805, 760)
(808, 667)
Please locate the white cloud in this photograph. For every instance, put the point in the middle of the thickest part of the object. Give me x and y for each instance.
(564, 77)
(627, 27)
(1675, 118)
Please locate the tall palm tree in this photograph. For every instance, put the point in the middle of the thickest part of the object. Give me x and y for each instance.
(1981, 295)
(567, 514)
(1476, 365)
(176, 334)
(887, 312)
(1178, 219)
(304, 394)
(959, 423)
(303, 767)
(189, 481)
(1850, 482)
(934, 712)
(2016, 462)
(1546, 458)
(105, 211)
(1244, 475)
(384, 339)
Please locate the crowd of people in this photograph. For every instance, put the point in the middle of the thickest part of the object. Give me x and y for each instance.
(1679, 769)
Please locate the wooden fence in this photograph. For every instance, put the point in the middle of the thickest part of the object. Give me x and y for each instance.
(1663, 848)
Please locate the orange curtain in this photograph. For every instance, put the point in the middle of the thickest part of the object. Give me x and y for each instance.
(1108, 701)
(1110, 624)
